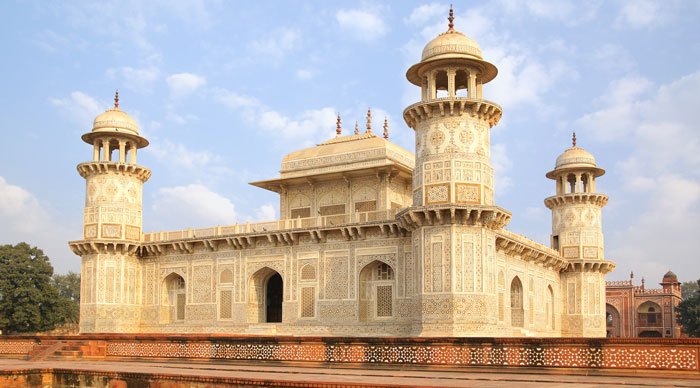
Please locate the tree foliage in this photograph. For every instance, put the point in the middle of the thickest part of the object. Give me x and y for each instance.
(29, 301)
(688, 289)
(68, 287)
(688, 313)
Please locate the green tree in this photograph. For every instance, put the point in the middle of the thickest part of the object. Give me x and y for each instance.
(688, 289)
(688, 314)
(28, 300)
(68, 287)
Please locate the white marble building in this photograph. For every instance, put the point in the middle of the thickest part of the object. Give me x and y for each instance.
(372, 240)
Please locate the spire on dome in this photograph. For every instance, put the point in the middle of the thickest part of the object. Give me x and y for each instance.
(573, 139)
(369, 121)
(116, 99)
(386, 128)
(337, 126)
(357, 128)
(451, 19)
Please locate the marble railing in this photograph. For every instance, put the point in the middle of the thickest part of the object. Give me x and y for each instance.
(271, 226)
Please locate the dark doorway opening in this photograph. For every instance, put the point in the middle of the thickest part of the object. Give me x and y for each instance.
(273, 299)
(650, 334)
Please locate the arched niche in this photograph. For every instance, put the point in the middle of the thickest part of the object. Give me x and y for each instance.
(517, 312)
(377, 287)
(265, 296)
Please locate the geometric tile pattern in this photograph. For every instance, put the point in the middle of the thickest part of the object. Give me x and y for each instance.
(16, 347)
(403, 351)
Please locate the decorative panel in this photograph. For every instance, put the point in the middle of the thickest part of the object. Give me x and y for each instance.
(225, 304)
(384, 301)
(436, 194)
(468, 193)
(308, 302)
(111, 231)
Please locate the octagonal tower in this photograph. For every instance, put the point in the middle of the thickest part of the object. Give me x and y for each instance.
(112, 219)
(577, 234)
(453, 217)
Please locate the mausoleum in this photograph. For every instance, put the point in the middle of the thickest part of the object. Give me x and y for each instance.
(372, 239)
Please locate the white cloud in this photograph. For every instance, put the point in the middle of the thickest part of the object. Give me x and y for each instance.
(191, 206)
(364, 24)
(184, 84)
(137, 79)
(25, 218)
(178, 155)
(305, 128)
(643, 14)
(655, 133)
(234, 100)
(308, 125)
(620, 108)
(278, 43)
(613, 58)
(569, 12)
(79, 107)
(304, 74)
(265, 213)
(425, 13)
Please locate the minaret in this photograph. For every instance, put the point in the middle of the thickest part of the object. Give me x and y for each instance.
(578, 236)
(110, 274)
(453, 218)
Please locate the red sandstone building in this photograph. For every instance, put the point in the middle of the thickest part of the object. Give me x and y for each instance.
(636, 311)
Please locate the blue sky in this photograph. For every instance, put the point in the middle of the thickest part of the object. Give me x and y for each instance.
(223, 92)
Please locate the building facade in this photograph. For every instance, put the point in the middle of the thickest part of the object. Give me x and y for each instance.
(637, 311)
(372, 240)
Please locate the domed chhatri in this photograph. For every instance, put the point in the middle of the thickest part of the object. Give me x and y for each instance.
(575, 158)
(447, 47)
(670, 275)
(115, 121)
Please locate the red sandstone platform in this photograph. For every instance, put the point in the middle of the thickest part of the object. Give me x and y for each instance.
(196, 360)
(178, 374)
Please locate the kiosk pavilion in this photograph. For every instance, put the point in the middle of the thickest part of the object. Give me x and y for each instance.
(372, 240)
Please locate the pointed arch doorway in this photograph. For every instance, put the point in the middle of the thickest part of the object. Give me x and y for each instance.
(265, 297)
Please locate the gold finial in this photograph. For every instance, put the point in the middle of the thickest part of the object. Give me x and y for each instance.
(451, 19)
(573, 139)
(386, 128)
(337, 126)
(116, 100)
(369, 121)
(357, 128)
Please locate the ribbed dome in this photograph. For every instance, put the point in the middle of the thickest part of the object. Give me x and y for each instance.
(115, 120)
(575, 156)
(670, 275)
(449, 43)
(447, 48)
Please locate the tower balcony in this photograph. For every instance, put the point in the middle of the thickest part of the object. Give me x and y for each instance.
(492, 217)
(87, 169)
(576, 198)
(453, 106)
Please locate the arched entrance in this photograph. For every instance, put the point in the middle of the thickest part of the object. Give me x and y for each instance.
(265, 296)
(376, 291)
(174, 297)
(649, 314)
(517, 313)
(650, 334)
(612, 321)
